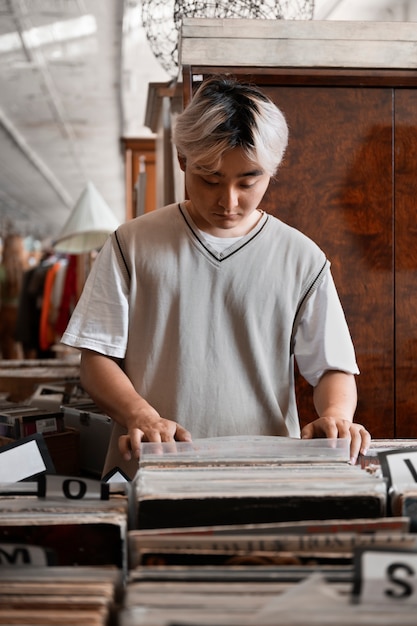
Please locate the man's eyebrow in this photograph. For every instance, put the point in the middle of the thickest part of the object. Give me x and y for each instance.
(256, 172)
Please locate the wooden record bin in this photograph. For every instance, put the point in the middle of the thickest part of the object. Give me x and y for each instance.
(348, 180)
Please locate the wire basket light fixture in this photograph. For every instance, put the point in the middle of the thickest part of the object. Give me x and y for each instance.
(162, 19)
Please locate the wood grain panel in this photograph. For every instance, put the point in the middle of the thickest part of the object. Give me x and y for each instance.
(336, 186)
(297, 43)
(406, 261)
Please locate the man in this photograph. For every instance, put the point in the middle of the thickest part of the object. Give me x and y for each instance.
(193, 314)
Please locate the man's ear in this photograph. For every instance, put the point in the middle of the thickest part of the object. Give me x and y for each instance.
(181, 161)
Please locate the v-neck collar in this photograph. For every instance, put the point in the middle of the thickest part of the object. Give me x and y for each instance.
(231, 250)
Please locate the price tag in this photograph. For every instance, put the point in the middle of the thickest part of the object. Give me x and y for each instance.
(385, 577)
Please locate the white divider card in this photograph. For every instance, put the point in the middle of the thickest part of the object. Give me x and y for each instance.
(387, 577)
(116, 475)
(118, 482)
(25, 458)
(399, 466)
(75, 488)
(33, 487)
(17, 554)
(56, 486)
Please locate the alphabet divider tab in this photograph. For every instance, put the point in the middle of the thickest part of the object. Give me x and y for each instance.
(399, 466)
(56, 486)
(385, 576)
(18, 554)
(76, 488)
(24, 459)
(34, 487)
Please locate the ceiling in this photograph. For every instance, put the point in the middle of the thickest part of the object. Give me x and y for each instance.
(73, 81)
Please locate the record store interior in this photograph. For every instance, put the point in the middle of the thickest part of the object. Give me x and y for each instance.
(208, 327)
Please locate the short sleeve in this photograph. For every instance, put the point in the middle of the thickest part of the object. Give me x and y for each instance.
(322, 340)
(100, 319)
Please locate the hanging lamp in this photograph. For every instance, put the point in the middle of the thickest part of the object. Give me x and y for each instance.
(88, 225)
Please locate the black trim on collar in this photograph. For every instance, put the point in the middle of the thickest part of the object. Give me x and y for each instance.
(217, 256)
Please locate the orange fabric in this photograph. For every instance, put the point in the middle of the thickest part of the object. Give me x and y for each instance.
(69, 296)
(46, 330)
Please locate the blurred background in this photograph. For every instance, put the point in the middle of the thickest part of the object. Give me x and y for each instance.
(74, 78)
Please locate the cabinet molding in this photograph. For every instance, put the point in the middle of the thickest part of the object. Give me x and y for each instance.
(298, 43)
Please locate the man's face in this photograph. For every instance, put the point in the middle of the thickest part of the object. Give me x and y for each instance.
(224, 203)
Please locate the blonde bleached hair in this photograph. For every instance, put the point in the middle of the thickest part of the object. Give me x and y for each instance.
(225, 114)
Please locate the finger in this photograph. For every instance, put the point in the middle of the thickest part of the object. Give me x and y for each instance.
(343, 429)
(170, 440)
(355, 445)
(321, 427)
(124, 447)
(129, 445)
(136, 436)
(335, 430)
(307, 432)
(170, 447)
(360, 441)
(366, 441)
(332, 431)
(181, 434)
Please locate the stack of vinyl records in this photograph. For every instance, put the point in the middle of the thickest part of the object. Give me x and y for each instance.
(304, 546)
(236, 531)
(74, 532)
(68, 596)
(311, 602)
(235, 480)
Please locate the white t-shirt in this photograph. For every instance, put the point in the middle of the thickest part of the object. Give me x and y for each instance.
(320, 331)
(198, 351)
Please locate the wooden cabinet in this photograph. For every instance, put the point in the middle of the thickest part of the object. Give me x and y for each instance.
(153, 177)
(140, 175)
(404, 226)
(349, 181)
(336, 185)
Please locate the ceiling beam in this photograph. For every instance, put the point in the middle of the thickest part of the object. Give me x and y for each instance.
(21, 18)
(36, 161)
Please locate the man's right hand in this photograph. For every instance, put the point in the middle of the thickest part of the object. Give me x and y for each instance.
(153, 428)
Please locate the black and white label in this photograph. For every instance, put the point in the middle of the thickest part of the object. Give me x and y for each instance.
(386, 577)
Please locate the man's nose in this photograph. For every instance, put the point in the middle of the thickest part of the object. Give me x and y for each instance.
(228, 198)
